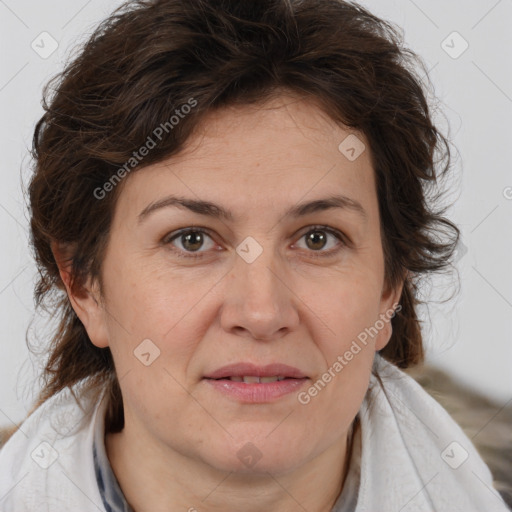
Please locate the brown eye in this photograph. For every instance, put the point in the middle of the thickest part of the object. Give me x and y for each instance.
(320, 237)
(316, 240)
(192, 241)
(186, 242)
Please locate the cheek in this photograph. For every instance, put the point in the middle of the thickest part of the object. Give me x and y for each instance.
(348, 311)
(347, 308)
(160, 305)
(154, 296)
(347, 360)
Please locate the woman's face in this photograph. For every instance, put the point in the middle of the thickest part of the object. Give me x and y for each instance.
(193, 293)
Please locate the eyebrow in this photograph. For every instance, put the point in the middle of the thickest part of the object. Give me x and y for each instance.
(210, 209)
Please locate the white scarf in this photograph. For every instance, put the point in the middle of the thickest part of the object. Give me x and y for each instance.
(413, 457)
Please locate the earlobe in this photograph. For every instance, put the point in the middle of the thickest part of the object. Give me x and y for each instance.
(85, 300)
(390, 304)
(384, 335)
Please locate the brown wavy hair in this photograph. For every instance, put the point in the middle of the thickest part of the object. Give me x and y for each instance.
(148, 58)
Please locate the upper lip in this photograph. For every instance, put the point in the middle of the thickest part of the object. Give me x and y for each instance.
(250, 369)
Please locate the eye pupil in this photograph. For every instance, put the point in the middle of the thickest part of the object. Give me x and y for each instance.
(315, 237)
(194, 238)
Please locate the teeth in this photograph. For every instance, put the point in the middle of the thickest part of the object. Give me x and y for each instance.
(249, 379)
(268, 379)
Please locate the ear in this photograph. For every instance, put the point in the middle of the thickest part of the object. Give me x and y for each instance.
(87, 301)
(389, 305)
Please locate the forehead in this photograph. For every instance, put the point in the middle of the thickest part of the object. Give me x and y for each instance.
(277, 128)
(257, 157)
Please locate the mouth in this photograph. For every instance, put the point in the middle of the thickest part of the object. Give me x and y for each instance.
(249, 383)
(249, 372)
(252, 379)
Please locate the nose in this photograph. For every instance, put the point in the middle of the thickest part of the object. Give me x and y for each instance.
(259, 302)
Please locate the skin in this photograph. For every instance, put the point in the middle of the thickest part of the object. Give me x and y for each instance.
(178, 450)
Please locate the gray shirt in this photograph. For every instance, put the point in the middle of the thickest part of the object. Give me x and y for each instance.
(110, 491)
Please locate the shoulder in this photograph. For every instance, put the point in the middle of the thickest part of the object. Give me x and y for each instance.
(49, 459)
(414, 453)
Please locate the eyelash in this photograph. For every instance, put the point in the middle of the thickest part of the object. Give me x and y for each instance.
(168, 239)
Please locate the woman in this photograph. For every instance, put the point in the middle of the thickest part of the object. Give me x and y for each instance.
(231, 208)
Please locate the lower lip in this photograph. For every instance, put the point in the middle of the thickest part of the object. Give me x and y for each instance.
(257, 392)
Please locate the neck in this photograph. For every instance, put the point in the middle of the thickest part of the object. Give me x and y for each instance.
(164, 479)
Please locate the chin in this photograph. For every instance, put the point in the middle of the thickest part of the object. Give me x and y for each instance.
(257, 464)
(261, 453)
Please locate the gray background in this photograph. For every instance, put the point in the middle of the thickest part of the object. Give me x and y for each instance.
(471, 335)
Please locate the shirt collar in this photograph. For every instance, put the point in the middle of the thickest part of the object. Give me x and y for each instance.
(110, 491)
